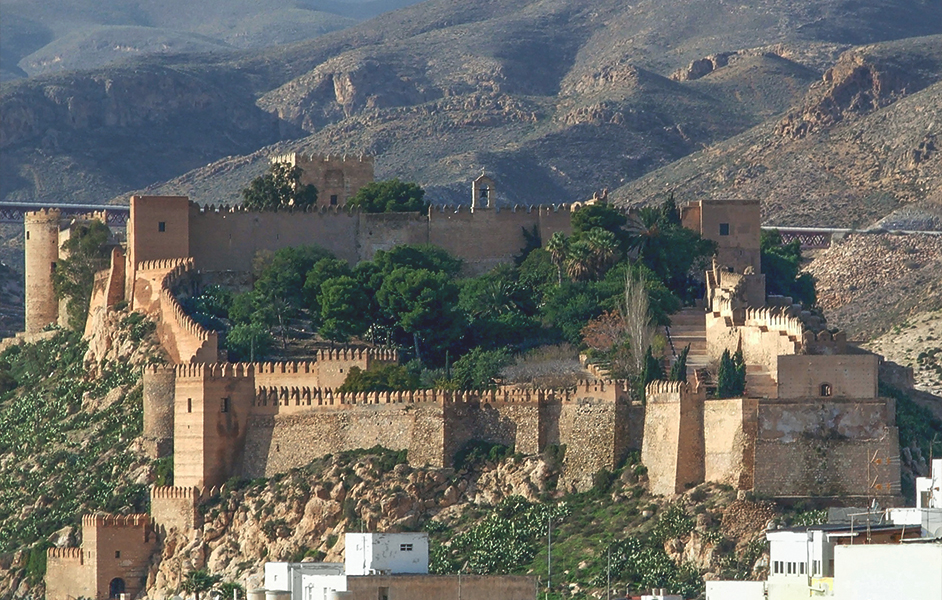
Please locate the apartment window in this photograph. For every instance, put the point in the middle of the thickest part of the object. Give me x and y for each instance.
(162, 226)
(189, 405)
(117, 554)
(27, 235)
(801, 568)
(224, 405)
(826, 389)
(405, 547)
(724, 228)
(333, 199)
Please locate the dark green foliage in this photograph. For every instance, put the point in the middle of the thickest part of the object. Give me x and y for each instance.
(677, 255)
(36, 563)
(644, 566)
(323, 270)
(230, 589)
(344, 309)
(249, 342)
(479, 369)
(679, 368)
(504, 540)
(781, 264)
(598, 215)
(918, 426)
(163, 471)
(731, 376)
(673, 522)
(476, 452)
(653, 371)
(280, 187)
(210, 307)
(385, 378)
(417, 256)
(136, 326)
(199, 582)
(391, 195)
(74, 276)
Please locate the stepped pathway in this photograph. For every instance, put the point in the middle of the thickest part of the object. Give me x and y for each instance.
(689, 327)
(759, 383)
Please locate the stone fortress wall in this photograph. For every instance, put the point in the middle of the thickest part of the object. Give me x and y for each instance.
(811, 422)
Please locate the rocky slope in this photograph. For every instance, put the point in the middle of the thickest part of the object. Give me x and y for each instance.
(861, 146)
(869, 283)
(557, 98)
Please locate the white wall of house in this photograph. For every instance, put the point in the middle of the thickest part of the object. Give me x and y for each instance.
(735, 590)
(291, 577)
(929, 489)
(367, 553)
(799, 554)
(910, 570)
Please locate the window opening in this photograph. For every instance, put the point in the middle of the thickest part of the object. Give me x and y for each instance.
(189, 405)
(333, 199)
(405, 547)
(225, 405)
(826, 389)
(162, 226)
(724, 228)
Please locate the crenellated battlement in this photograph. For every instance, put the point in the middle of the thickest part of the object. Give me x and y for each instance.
(656, 388)
(104, 520)
(167, 264)
(65, 553)
(348, 354)
(540, 209)
(214, 370)
(170, 492)
(299, 159)
(320, 209)
(43, 215)
(780, 319)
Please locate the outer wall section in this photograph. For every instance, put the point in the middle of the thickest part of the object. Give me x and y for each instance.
(42, 253)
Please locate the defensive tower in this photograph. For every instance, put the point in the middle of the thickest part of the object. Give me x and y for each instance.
(42, 253)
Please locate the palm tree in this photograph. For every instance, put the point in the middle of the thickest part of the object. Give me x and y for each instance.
(604, 249)
(199, 581)
(558, 248)
(579, 262)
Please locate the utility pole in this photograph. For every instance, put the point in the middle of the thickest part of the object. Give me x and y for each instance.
(549, 553)
(608, 577)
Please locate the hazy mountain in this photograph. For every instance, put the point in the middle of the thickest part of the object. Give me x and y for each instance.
(42, 36)
(557, 98)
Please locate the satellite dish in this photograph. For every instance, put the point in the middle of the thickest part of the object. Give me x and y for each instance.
(938, 532)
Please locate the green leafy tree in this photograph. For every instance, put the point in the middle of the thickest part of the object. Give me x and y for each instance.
(731, 376)
(324, 269)
(423, 305)
(230, 590)
(601, 216)
(199, 582)
(249, 342)
(279, 188)
(479, 369)
(345, 309)
(781, 264)
(385, 378)
(74, 275)
(391, 195)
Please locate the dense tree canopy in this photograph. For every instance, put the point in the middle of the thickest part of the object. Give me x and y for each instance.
(280, 187)
(781, 264)
(391, 195)
(75, 275)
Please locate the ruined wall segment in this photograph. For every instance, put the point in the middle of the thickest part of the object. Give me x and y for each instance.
(41, 248)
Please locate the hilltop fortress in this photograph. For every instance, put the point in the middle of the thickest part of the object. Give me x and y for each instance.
(811, 422)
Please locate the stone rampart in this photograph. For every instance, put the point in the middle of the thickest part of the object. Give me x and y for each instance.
(66, 575)
(673, 444)
(337, 178)
(173, 507)
(810, 447)
(159, 383)
(729, 441)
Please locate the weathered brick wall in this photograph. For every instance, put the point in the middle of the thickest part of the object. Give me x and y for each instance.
(173, 507)
(836, 448)
(725, 442)
(67, 576)
(588, 429)
(276, 443)
(117, 547)
(337, 178)
(514, 424)
(673, 445)
(848, 375)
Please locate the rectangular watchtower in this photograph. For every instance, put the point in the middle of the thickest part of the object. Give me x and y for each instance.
(337, 178)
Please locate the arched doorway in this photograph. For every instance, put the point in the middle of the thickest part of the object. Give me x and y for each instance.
(116, 588)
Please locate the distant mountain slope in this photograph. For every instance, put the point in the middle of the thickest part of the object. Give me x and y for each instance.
(557, 98)
(46, 36)
(864, 143)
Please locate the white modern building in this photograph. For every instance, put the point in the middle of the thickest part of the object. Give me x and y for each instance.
(927, 515)
(911, 570)
(385, 566)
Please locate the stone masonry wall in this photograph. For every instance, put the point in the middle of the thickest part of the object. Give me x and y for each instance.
(67, 576)
(835, 448)
(727, 441)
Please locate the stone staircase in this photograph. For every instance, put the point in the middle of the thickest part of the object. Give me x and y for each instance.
(689, 327)
(759, 383)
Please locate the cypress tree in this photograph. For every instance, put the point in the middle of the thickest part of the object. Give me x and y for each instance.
(679, 368)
